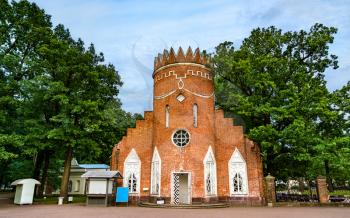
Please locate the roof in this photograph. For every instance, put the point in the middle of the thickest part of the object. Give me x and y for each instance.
(102, 174)
(94, 166)
(25, 181)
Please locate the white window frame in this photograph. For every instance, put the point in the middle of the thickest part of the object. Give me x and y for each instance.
(132, 165)
(156, 172)
(189, 138)
(209, 165)
(237, 164)
(195, 115)
(77, 186)
(167, 116)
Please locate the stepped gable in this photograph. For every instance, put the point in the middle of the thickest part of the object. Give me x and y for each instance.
(172, 57)
(185, 151)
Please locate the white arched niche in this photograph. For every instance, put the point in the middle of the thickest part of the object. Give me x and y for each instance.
(155, 173)
(238, 179)
(209, 173)
(132, 172)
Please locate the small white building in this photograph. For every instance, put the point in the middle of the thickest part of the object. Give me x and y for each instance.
(24, 190)
(76, 185)
(99, 186)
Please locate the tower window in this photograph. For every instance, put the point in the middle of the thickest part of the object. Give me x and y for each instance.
(195, 116)
(167, 116)
(180, 98)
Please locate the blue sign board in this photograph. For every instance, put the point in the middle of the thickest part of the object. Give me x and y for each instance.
(122, 194)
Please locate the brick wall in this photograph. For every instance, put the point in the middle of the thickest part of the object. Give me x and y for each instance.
(195, 82)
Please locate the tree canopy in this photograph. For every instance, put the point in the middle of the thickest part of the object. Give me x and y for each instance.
(58, 97)
(275, 82)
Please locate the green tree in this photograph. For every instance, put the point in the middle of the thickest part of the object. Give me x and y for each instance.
(57, 97)
(275, 82)
(84, 91)
(23, 29)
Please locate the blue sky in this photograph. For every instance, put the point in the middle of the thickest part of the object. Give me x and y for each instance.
(131, 33)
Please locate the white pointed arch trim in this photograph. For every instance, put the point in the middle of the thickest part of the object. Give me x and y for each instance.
(238, 177)
(156, 173)
(210, 181)
(132, 172)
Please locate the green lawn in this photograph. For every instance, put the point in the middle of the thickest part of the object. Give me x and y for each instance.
(54, 199)
(335, 192)
(340, 192)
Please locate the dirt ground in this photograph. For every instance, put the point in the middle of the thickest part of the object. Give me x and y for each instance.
(74, 210)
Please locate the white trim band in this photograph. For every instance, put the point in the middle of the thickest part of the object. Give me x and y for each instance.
(178, 64)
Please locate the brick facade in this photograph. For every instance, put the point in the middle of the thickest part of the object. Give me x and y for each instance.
(188, 75)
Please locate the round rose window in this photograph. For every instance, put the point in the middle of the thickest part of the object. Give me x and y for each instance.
(181, 138)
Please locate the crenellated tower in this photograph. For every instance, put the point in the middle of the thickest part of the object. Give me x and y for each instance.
(183, 110)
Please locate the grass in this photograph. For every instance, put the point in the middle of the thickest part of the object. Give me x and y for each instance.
(54, 199)
(340, 192)
(335, 192)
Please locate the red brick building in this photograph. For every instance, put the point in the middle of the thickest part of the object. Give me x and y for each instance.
(186, 151)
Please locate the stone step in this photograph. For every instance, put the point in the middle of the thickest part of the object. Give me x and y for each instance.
(183, 206)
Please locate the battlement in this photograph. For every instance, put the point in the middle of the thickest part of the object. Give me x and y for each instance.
(171, 57)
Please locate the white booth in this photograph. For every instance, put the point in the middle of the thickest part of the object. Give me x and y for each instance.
(99, 186)
(24, 190)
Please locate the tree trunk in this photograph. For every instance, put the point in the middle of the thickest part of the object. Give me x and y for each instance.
(37, 168)
(301, 184)
(66, 171)
(37, 165)
(329, 179)
(2, 174)
(310, 190)
(44, 174)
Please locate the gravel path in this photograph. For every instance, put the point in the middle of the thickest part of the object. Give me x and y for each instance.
(53, 211)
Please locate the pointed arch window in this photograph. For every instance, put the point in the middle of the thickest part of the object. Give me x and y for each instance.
(155, 173)
(195, 115)
(167, 116)
(210, 173)
(132, 171)
(238, 179)
(132, 183)
(237, 183)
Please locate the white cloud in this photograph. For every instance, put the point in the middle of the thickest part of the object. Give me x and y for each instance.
(131, 33)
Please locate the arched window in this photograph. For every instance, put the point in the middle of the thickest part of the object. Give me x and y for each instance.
(167, 116)
(238, 179)
(132, 171)
(210, 173)
(77, 186)
(195, 115)
(70, 186)
(237, 183)
(155, 173)
(132, 183)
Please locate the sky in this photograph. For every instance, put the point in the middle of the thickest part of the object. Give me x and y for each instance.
(131, 33)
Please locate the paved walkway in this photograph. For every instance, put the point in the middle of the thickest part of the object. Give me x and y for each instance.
(55, 211)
